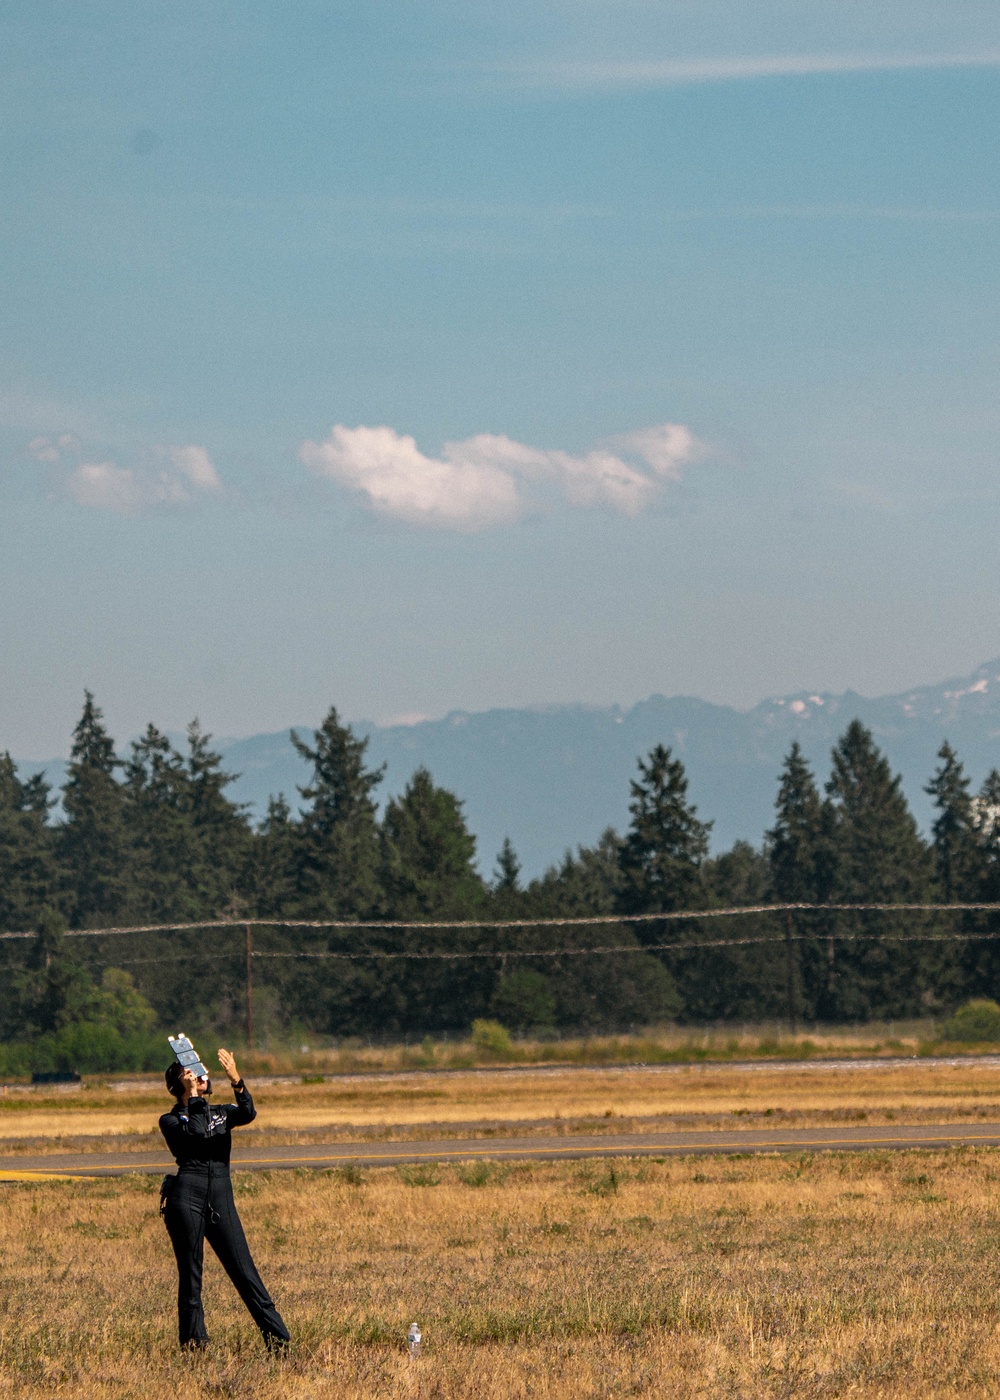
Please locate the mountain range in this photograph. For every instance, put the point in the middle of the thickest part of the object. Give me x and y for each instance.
(552, 778)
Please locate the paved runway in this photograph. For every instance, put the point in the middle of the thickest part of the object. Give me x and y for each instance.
(571, 1147)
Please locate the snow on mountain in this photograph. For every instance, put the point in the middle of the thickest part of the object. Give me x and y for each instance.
(554, 777)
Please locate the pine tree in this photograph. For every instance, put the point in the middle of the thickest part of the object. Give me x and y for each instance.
(986, 819)
(274, 853)
(801, 854)
(221, 830)
(587, 884)
(506, 894)
(338, 853)
(52, 983)
(799, 845)
(957, 867)
(27, 855)
(880, 858)
(603, 991)
(334, 871)
(666, 843)
(92, 838)
(661, 862)
(429, 854)
(28, 881)
(982, 956)
(507, 875)
(742, 981)
(161, 839)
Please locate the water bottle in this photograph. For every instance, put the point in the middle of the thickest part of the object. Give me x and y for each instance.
(413, 1341)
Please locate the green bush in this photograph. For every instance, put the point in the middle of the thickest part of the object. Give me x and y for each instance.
(91, 1047)
(105, 1028)
(490, 1038)
(976, 1021)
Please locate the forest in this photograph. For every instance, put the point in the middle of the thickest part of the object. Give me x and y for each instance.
(152, 838)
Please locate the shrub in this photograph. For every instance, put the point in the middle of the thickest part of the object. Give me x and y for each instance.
(419, 1176)
(977, 1020)
(105, 1027)
(482, 1173)
(490, 1038)
(92, 1047)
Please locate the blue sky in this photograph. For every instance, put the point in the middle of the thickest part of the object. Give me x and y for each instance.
(414, 356)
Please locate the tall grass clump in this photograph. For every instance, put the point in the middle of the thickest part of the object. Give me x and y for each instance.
(977, 1022)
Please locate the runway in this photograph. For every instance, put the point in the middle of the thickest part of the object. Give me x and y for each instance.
(818, 1064)
(691, 1142)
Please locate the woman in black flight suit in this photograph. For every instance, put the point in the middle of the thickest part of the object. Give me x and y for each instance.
(199, 1203)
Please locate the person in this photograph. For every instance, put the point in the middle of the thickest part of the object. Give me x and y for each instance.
(197, 1204)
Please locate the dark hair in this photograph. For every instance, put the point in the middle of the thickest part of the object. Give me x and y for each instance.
(173, 1078)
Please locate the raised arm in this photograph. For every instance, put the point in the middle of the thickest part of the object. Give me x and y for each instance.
(243, 1112)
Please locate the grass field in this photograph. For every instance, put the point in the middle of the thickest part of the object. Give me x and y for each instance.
(581, 1099)
(854, 1275)
(654, 1045)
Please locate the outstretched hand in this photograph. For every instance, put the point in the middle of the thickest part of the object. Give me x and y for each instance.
(228, 1062)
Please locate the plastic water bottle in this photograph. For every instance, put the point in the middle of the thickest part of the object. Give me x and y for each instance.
(413, 1341)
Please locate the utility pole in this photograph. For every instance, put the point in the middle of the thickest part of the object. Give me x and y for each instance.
(790, 972)
(249, 952)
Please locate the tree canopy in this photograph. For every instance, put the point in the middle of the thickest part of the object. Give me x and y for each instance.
(152, 836)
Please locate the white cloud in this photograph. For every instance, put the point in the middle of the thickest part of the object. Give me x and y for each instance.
(671, 72)
(163, 476)
(105, 487)
(666, 448)
(52, 449)
(398, 479)
(190, 465)
(43, 449)
(490, 479)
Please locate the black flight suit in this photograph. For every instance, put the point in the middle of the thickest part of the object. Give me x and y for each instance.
(199, 1205)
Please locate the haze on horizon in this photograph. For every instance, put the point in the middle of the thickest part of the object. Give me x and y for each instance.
(419, 358)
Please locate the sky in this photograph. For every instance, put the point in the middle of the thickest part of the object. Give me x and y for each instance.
(422, 355)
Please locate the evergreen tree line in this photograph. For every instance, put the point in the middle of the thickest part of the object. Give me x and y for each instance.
(153, 838)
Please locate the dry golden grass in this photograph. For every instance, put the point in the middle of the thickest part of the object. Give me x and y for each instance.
(654, 1045)
(579, 1099)
(875, 1275)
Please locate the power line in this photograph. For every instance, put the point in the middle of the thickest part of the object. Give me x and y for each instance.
(640, 947)
(376, 954)
(788, 937)
(527, 922)
(380, 954)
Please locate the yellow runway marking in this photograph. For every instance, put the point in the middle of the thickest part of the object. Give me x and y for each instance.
(36, 1176)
